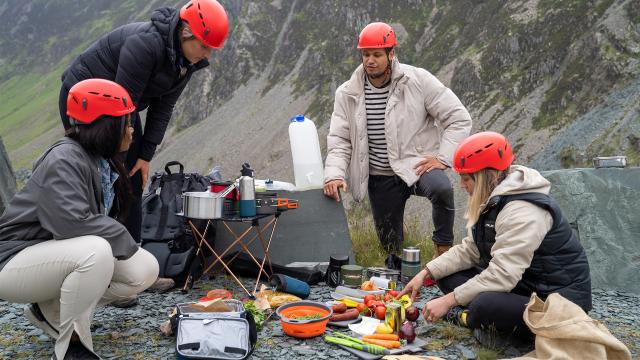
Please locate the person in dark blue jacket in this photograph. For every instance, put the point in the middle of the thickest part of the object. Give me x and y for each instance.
(153, 61)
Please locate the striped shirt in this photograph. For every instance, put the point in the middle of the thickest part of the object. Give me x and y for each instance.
(376, 102)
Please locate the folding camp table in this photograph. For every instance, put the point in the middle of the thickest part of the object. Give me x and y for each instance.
(242, 239)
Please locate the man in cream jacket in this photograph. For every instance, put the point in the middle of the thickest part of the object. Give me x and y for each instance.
(393, 132)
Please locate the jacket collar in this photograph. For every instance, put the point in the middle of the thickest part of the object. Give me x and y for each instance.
(93, 160)
(166, 20)
(355, 85)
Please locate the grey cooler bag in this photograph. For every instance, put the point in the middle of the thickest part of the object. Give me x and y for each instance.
(219, 335)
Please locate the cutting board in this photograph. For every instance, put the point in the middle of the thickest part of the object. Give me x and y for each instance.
(409, 348)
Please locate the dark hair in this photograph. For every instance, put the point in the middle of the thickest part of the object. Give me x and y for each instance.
(103, 138)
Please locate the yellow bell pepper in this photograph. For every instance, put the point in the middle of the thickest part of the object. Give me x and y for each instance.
(406, 301)
(383, 328)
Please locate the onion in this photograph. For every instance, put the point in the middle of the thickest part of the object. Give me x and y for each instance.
(407, 332)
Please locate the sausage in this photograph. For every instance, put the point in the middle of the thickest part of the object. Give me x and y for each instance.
(339, 308)
(347, 315)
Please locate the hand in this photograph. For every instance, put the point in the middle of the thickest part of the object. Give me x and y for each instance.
(143, 166)
(331, 189)
(437, 308)
(415, 285)
(429, 163)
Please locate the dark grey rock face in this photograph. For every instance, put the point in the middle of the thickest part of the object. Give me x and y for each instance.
(7, 180)
(604, 206)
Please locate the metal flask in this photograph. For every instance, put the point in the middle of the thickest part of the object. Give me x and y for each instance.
(247, 192)
(411, 265)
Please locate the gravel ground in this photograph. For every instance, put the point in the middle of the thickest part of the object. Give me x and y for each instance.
(133, 333)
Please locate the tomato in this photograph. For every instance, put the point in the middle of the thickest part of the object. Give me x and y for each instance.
(367, 298)
(393, 293)
(360, 307)
(380, 312)
(387, 297)
(378, 303)
(370, 303)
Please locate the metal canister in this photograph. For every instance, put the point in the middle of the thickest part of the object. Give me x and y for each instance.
(351, 275)
(411, 265)
(393, 317)
(247, 192)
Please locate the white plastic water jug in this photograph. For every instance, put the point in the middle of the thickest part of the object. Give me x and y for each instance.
(305, 151)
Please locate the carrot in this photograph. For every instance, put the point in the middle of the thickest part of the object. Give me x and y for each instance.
(386, 343)
(392, 337)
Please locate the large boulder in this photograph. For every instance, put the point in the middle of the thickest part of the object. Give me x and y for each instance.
(7, 180)
(604, 206)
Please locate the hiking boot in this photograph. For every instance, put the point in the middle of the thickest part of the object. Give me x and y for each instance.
(393, 262)
(162, 285)
(457, 315)
(439, 249)
(125, 303)
(35, 316)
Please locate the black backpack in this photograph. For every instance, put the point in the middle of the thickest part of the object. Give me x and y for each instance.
(167, 235)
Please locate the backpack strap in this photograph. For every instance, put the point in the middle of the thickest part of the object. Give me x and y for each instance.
(164, 208)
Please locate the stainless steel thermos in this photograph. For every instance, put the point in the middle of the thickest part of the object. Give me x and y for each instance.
(411, 264)
(247, 192)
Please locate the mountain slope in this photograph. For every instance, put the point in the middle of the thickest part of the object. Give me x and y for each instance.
(559, 78)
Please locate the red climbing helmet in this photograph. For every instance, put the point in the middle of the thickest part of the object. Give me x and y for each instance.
(482, 150)
(208, 21)
(377, 35)
(89, 99)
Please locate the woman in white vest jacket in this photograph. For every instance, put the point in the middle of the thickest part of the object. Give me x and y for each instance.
(519, 243)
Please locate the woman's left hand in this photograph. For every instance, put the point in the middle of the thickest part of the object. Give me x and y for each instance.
(437, 308)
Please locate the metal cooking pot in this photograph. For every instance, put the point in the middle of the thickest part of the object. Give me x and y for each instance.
(384, 273)
(204, 204)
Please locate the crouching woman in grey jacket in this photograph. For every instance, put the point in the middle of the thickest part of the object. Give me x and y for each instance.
(63, 247)
(519, 243)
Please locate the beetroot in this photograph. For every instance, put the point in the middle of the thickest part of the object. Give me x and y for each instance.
(412, 313)
(407, 332)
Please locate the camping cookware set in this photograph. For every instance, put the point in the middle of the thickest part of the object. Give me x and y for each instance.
(204, 204)
(219, 202)
(268, 202)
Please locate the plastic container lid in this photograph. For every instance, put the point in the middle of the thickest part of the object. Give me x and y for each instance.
(351, 270)
(298, 118)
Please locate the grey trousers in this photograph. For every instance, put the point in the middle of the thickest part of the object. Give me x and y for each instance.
(69, 278)
(388, 196)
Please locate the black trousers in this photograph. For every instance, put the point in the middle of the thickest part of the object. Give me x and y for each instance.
(388, 196)
(134, 219)
(491, 309)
